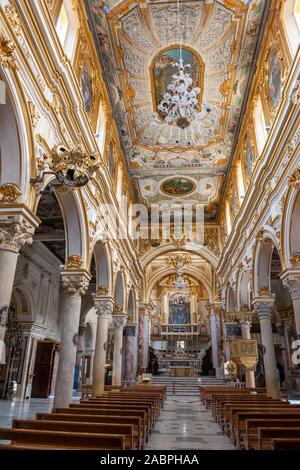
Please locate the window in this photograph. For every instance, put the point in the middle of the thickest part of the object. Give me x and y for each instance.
(291, 17)
(67, 27)
(297, 12)
(228, 218)
(260, 126)
(62, 25)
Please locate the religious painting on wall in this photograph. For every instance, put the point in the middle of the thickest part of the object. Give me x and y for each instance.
(274, 78)
(163, 71)
(87, 88)
(179, 314)
(178, 186)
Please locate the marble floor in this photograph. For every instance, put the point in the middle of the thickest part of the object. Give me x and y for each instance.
(186, 424)
(183, 423)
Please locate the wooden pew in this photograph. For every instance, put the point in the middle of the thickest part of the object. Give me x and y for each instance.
(250, 438)
(135, 421)
(109, 412)
(75, 426)
(285, 444)
(265, 436)
(127, 408)
(125, 400)
(239, 417)
(67, 440)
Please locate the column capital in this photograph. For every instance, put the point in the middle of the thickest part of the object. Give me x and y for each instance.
(17, 226)
(119, 321)
(75, 282)
(104, 306)
(291, 280)
(263, 306)
(245, 322)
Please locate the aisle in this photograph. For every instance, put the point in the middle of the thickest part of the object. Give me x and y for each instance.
(185, 424)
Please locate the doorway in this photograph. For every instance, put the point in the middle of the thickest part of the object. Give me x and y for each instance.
(43, 370)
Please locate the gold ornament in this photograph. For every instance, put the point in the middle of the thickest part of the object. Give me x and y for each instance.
(264, 291)
(74, 262)
(9, 193)
(7, 49)
(295, 260)
(102, 290)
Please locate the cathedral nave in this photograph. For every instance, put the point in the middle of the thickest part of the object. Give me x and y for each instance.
(149, 225)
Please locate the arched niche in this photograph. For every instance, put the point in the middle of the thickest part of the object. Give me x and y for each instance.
(230, 301)
(291, 227)
(23, 302)
(74, 219)
(263, 253)
(103, 266)
(16, 139)
(119, 291)
(131, 312)
(243, 290)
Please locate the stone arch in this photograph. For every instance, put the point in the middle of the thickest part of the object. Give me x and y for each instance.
(290, 241)
(188, 270)
(262, 259)
(17, 164)
(75, 220)
(189, 247)
(103, 264)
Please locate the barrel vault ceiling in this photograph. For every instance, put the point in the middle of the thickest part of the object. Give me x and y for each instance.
(134, 41)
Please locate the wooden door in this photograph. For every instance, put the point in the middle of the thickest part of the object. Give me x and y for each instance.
(43, 370)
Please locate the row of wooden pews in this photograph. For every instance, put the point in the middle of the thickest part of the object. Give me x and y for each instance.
(252, 420)
(119, 420)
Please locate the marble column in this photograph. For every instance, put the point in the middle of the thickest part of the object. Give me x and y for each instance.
(291, 280)
(75, 284)
(143, 338)
(119, 322)
(104, 308)
(12, 237)
(213, 335)
(245, 324)
(130, 356)
(264, 309)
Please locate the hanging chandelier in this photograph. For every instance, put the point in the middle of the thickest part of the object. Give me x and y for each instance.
(180, 105)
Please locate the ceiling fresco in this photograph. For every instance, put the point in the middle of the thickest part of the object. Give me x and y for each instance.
(138, 42)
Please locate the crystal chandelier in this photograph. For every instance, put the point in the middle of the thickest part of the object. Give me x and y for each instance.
(180, 104)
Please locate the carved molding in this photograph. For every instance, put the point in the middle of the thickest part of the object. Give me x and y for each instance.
(13, 237)
(7, 49)
(75, 283)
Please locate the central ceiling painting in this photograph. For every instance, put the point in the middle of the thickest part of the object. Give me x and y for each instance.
(139, 44)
